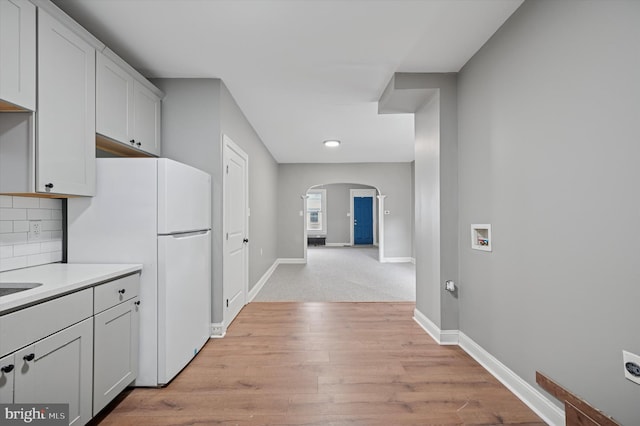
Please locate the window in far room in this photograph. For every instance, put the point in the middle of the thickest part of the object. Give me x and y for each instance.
(316, 208)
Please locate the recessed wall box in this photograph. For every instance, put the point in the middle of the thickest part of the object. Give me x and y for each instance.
(481, 237)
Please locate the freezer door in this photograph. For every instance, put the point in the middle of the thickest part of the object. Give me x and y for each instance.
(184, 198)
(184, 300)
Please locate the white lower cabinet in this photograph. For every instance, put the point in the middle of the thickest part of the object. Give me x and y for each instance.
(116, 352)
(64, 351)
(58, 369)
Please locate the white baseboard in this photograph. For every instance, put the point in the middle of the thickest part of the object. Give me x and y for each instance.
(540, 404)
(442, 337)
(262, 281)
(396, 260)
(294, 260)
(218, 330)
(338, 244)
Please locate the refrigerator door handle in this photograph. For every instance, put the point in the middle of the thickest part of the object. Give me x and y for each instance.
(186, 234)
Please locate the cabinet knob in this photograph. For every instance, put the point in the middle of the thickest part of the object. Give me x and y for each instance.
(139, 143)
(246, 240)
(29, 357)
(132, 141)
(7, 368)
(49, 185)
(122, 291)
(137, 303)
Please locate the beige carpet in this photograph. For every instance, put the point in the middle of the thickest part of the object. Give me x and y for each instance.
(341, 274)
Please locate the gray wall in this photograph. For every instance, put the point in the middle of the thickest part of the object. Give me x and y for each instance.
(391, 179)
(436, 189)
(338, 206)
(195, 114)
(549, 114)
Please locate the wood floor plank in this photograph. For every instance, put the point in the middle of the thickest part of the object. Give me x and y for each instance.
(325, 364)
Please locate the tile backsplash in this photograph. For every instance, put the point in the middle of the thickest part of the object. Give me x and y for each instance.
(19, 246)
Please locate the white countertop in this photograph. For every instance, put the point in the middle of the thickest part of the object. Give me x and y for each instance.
(58, 279)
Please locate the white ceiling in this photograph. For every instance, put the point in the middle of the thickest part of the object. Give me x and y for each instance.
(301, 70)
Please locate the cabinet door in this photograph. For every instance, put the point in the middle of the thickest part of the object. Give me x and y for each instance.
(114, 101)
(146, 120)
(58, 369)
(65, 148)
(17, 54)
(7, 371)
(116, 352)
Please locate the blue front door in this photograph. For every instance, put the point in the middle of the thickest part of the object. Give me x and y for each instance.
(363, 220)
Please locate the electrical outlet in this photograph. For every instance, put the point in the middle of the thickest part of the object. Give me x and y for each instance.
(631, 366)
(35, 229)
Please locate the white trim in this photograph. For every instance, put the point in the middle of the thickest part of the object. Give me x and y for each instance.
(337, 244)
(374, 222)
(381, 228)
(396, 260)
(541, 405)
(262, 281)
(293, 260)
(218, 330)
(442, 337)
(413, 260)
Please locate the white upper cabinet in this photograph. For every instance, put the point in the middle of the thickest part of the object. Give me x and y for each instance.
(114, 100)
(146, 119)
(127, 111)
(17, 55)
(65, 148)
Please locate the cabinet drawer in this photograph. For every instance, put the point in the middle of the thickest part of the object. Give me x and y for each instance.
(28, 325)
(115, 292)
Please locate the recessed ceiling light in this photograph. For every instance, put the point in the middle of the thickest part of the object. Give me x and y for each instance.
(332, 143)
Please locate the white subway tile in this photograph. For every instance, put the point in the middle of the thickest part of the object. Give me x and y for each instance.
(51, 225)
(26, 249)
(50, 203)
(35, 214)
(6, 201)
(13, 214)
(11, 239)
(20, 226)
(6, 226)
(6, 251)
(51, 246)
(56, 214)
(13, 263)
(43, 258)
(26, 203)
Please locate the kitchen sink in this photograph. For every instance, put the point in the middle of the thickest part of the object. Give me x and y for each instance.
(10, 288)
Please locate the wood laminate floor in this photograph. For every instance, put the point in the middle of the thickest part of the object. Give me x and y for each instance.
(325, 364)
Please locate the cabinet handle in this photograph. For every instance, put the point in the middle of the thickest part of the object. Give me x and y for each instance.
(122, 291)
(132, 141)
(49, 185)
(139, 143)
(7, 368)
(137, 303)
(29, 357)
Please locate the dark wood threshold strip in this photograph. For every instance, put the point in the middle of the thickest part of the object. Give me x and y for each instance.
(577, 410)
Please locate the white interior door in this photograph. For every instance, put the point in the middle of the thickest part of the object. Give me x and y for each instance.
(236, 230)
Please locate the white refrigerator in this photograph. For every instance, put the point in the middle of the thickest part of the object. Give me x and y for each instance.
(156, 212)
